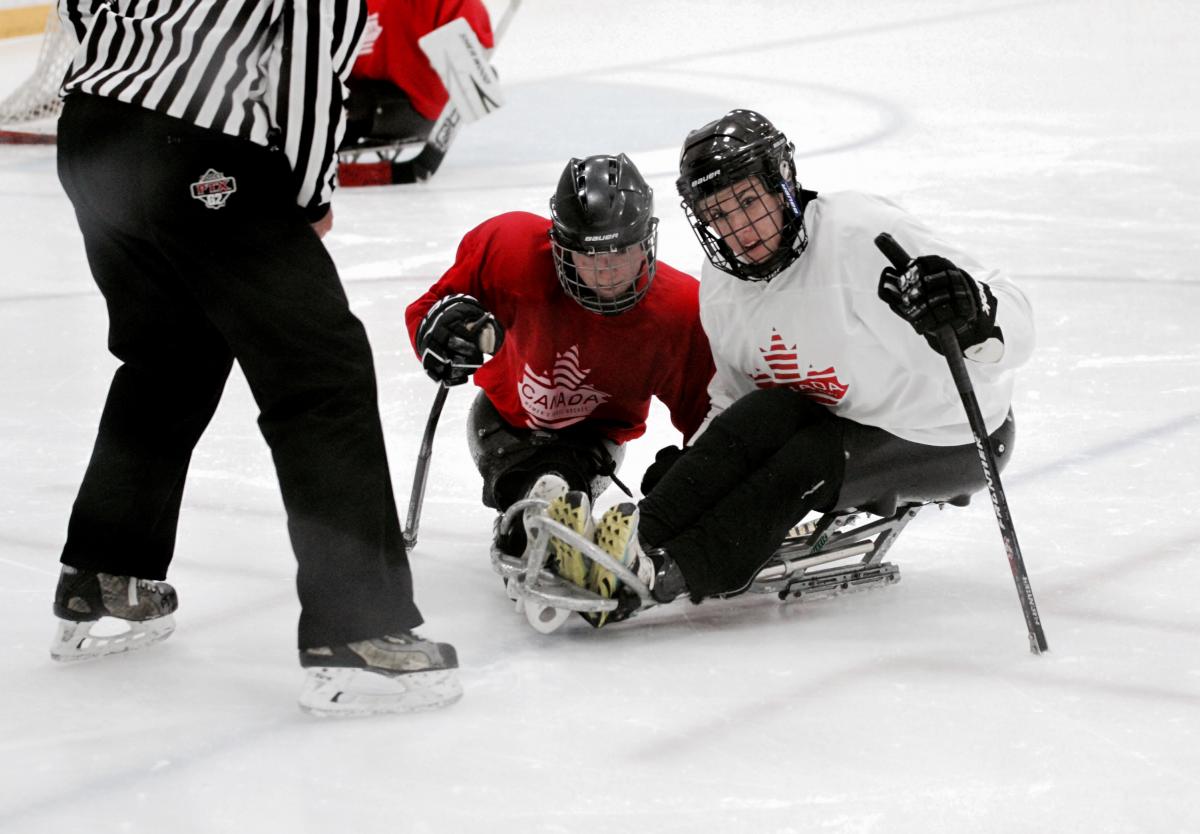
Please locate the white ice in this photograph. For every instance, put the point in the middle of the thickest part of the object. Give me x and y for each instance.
(1059, 139)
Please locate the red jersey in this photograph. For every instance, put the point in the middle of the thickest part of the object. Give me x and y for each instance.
(561, 365)
(390, 51)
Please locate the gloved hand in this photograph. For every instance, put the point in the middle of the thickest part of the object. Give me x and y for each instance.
(664, 459)
(454, 336)
(934, 292)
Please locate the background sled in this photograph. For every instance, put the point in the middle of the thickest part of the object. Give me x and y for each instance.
(474, 93)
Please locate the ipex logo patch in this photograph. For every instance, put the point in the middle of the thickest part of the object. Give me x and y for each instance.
(214, 188)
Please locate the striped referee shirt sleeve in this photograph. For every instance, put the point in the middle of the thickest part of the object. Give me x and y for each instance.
(320, 41)
(76, 16)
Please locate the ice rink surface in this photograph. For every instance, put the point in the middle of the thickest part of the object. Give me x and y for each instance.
(1058, 139)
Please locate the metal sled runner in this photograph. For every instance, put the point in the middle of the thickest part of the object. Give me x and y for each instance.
(839, 552)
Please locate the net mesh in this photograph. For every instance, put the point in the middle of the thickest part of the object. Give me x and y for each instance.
(37, 98)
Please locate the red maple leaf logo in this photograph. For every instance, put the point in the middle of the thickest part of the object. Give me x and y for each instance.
(783, 371)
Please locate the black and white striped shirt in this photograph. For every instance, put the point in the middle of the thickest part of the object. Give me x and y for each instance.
(269, 71)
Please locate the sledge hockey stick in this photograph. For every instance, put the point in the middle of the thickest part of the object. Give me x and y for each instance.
(900, 260)
(425, 164)
(487, 343)
(421, 473)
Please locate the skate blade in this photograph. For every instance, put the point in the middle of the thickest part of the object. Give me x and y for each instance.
(76, 641)
(338, 692)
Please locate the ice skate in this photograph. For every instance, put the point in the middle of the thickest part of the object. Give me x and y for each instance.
(88, 605)
(392, 674)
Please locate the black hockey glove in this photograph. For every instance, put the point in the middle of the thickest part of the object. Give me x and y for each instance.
(454, 336)
(664, 459)
(934, 292)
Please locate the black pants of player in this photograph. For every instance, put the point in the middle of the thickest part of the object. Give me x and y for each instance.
(379, 112)
(774, 456)
(511, 459)
(191, 286)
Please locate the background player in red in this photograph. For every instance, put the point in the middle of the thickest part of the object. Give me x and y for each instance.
(395, 94)
(590, 326)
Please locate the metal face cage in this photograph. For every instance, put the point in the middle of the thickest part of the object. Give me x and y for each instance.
(607, 280)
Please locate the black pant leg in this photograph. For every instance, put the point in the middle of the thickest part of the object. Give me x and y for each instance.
(262, 278)
(162, 397)
(759, 467)
(379, 111)
(736, 444)
(511, 459)
(269, 286)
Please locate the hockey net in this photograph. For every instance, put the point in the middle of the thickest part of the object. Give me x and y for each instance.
(29, 112)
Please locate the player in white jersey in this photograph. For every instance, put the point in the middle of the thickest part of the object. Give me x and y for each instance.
(827, 393)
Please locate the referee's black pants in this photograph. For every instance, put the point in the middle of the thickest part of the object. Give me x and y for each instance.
(191, 286)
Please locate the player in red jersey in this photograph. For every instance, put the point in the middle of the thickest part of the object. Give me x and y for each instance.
(395, 94)
(590, 326)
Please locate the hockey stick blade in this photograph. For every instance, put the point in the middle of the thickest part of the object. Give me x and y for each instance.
(900, 261)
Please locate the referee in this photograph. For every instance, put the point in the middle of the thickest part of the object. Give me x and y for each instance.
(197, 146)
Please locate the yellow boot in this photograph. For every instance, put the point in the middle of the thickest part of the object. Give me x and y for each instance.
(617, 536)
(572, 510)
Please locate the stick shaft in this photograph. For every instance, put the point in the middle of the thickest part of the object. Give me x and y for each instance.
(421, 474)
(987, 459)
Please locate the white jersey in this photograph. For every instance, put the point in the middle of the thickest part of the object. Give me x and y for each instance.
(820, 327)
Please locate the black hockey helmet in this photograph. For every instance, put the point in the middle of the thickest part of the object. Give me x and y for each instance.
(740, 145)
(603, 210)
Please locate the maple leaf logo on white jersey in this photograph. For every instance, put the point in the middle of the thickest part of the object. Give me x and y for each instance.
(562, 397)
(783, 371)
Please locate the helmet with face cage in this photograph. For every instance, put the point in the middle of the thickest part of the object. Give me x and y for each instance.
(742, 147)
(603, 206)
